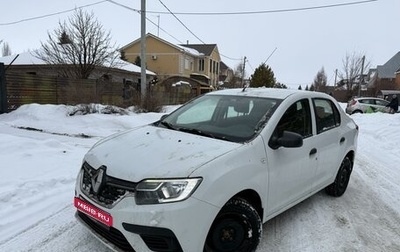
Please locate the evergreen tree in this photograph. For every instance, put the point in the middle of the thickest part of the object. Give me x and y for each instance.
(299, 88)
(263, 76)
(138, 61)
(280, 85)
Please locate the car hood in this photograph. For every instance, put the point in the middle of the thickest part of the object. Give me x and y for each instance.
(154, 152)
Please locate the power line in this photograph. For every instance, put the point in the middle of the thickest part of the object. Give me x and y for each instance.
(195, 13)
(266, 11)
(138, 11)
(180, 21)
(170, 12)
(52, 14)
(229, 57)
(190, 30)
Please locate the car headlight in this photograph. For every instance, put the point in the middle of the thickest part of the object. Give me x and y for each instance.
(156, 191)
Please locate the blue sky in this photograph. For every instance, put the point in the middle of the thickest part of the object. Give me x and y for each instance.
(301, 42)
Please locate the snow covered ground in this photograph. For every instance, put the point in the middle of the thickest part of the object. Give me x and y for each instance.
(41, 149)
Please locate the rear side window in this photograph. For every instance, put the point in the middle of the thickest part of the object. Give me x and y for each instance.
(367, 101)
(326, 113)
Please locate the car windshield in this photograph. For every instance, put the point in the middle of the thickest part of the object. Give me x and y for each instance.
(231, 118)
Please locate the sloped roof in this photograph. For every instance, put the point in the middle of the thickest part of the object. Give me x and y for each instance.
(389, 69)
(181, 48)
(27, 58)
(206, 49)
(223, 66)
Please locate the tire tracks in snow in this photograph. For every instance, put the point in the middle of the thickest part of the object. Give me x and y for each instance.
(58, 232)
(366, 218)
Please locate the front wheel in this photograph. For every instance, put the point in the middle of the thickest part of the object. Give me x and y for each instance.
(237, 227)
(339, 186)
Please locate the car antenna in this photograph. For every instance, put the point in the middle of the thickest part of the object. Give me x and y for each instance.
(246, 86)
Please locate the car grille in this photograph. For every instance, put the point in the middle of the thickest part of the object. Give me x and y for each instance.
(109, 233)
(111, 189)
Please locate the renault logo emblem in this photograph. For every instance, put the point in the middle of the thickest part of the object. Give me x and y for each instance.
(98, 178)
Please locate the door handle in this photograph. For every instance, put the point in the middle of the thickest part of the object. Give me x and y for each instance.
(342, 139)
(313, 151)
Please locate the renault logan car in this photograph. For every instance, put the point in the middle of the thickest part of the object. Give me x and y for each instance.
(208, 175)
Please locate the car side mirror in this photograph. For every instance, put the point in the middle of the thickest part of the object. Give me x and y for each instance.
(288, 140)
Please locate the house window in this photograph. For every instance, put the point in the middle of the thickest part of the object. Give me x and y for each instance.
(188, 64)
(201, 65)
(211, 65)
(214, 67)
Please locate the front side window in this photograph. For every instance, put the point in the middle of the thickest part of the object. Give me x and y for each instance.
(381, 103)
(326, 114)
(297, 118)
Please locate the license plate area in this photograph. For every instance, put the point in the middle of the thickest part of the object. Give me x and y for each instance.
(93, 212)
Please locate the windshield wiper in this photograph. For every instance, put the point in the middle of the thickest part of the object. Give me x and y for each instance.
(200, 133)
(168, 125)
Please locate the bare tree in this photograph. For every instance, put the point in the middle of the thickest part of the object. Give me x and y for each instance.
(351, 76)
(5, 50)
(235, 81)
(80, 45)
(320, 80)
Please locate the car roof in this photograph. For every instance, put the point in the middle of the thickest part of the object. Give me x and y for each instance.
(277, 93)
(377, 98)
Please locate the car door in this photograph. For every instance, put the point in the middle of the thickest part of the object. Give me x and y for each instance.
(330, 139)
(291, 170)
(381, 105)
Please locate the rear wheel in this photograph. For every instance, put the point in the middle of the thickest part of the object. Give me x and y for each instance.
(237, 227)
(339, 186)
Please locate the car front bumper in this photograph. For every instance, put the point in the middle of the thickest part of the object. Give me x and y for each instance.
(180, 226)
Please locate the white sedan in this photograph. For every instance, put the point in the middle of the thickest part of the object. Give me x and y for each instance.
(207, 176)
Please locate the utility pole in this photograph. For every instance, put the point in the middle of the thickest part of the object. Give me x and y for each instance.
(334, 84)
(143, 81)
(3, 90)
(244, 65)
(361, 76)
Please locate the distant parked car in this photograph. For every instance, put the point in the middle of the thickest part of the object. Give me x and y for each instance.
(366, 105)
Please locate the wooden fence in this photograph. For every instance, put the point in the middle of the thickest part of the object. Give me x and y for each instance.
(25, 88)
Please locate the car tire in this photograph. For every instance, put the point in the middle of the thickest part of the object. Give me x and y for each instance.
(237, 227)
(339, 186)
